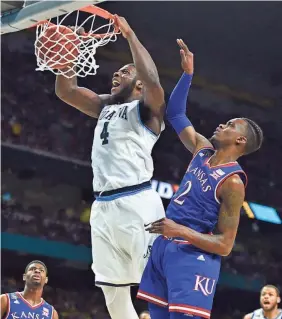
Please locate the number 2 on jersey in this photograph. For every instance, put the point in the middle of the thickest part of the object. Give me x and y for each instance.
(105, 134)
(186, 191)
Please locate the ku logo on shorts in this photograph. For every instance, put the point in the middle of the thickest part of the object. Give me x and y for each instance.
(181, 277)
(205, 285)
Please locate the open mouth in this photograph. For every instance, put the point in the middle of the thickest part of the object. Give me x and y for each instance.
(36, 277)
(115, 83)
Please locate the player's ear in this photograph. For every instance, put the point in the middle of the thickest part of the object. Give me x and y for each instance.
(241, 140)
(139, 85)
(24, 277)
(46, 280)
(278, 300)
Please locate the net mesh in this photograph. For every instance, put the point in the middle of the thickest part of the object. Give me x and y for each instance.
(69, 51)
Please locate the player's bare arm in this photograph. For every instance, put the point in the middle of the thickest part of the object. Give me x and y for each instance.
(232, 194)
(176, 110)
(4, 305)
(81, 98)
(153, 93)
(55, 314)
(248, 316)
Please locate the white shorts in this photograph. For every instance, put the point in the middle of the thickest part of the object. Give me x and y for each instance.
(120, 244)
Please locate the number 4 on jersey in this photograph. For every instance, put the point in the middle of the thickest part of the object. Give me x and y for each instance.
(105, 134)
(178, 200)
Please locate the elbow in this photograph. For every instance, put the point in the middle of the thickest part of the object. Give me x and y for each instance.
(225, 250)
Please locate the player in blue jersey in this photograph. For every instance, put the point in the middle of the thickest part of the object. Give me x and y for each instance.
(181, 275)
(29, 303)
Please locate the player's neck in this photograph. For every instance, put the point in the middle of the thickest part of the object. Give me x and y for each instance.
(132, 97)
(272, 314)
(32, 295)
(222, 157)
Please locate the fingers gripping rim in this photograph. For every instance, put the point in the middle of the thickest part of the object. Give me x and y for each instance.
(69, 53)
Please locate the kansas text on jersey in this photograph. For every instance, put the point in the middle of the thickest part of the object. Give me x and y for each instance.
(19, 308)
(196, 204)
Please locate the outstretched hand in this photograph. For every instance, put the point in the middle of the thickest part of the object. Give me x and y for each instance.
(164, 226)
(123, 25)
(187, 57)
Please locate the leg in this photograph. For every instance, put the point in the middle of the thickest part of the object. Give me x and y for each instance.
(153, 286)
(119, 303)
(157, 312)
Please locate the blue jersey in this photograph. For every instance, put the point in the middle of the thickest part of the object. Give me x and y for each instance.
(196, 204)
(19, 308)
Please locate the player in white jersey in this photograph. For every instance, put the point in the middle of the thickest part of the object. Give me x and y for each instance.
(130, 121)
(269, 300)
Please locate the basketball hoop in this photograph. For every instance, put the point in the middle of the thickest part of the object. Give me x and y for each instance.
(65, 51)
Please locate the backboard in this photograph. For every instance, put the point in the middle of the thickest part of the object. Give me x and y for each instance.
(19, 15)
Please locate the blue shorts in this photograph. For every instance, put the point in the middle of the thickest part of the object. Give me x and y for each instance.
(181, 277)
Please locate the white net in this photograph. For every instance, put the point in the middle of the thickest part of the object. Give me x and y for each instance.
(71, 51)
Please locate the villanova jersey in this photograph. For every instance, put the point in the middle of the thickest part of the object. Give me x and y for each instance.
(196, 204)
(122, 146)
(258, 314)
(19, 308)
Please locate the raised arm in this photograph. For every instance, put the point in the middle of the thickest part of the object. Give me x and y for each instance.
(232, 194)
(153, 93)
(176, 108)
(248, 316)
(81, 98)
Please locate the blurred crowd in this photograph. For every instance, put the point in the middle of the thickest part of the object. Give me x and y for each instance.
(33, 116)
(90, 304)
(254, 255)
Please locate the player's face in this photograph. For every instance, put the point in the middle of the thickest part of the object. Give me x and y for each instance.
(123, 81)
(35, 275)
(231, 133)
(269, 298)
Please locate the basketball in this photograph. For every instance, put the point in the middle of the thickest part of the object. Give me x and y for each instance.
(57, 47)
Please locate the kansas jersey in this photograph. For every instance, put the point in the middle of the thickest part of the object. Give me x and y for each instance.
(258, 314)
(19, 308)
(196, 204)
(122, 146)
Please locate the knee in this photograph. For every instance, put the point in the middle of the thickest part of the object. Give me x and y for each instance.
(109, 294)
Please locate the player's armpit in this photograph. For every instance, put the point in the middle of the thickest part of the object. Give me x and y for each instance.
(55, 314)
(4, 305)
(81, 98)
(232, 194)
(192, 140)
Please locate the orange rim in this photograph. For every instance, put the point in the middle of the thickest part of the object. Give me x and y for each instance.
(94, 11)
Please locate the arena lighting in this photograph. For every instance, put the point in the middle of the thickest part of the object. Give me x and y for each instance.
(252, 210)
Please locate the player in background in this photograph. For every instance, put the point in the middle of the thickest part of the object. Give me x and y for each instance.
(182, 272)
(130, 121)
(269, 301)
(29, 303)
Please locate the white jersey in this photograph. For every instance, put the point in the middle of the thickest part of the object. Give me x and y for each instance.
(258, 314)
(122, 146)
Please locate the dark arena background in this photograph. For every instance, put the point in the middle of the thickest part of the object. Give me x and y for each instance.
(46, 192)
